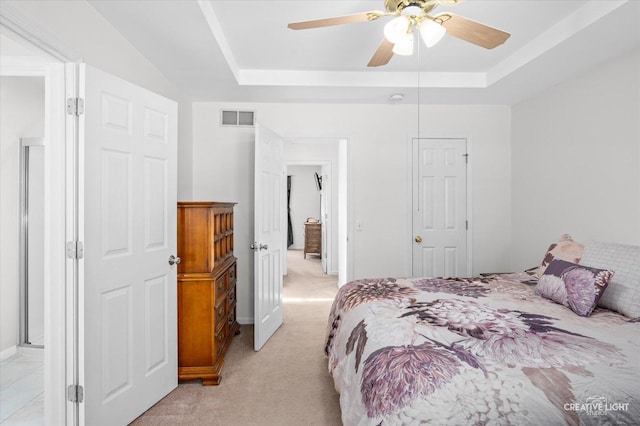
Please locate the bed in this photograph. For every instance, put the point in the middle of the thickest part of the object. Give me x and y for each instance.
(542, 347)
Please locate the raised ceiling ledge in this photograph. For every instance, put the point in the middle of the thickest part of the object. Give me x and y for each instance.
(360, 79)
(581, 18)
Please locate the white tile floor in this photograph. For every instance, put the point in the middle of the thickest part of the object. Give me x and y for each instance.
(21, 389)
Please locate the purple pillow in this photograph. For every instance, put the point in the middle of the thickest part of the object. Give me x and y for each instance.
(575, 286)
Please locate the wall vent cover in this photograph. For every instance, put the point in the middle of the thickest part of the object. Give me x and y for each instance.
(237, 118)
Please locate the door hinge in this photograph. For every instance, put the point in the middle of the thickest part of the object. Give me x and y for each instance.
(75, 250)
(75, 393)
(466, 158)
(466, 225)
(75, 106)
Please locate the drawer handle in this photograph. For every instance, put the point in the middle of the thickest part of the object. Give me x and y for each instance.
(221, 311)
(221, 285)
(221, 337)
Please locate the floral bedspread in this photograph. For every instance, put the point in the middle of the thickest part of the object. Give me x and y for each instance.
(478, 351)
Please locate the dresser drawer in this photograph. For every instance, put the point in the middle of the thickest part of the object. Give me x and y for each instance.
(220, 288)
(220, 338)
(231, 318)
(232, 296)
(232, 275)
(312, 230)
(221, 313)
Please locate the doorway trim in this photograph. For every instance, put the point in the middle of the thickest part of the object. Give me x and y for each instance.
(50, 64)
(339, 191)
(325, 167)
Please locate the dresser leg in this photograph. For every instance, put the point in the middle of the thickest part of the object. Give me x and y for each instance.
(211, 381)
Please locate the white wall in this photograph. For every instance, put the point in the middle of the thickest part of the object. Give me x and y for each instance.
(76, 25)
(305, 200)
(379, 188)
(21, 115)
(575, 159)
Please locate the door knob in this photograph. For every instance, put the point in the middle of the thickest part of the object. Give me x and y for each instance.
(418, 239)
(174, 260)
(255, 246)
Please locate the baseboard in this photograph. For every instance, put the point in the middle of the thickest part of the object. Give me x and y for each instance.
(8, 353)
(245, 321)
(32, 350)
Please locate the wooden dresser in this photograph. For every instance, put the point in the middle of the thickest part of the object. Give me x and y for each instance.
(312, 238)
(206, 289)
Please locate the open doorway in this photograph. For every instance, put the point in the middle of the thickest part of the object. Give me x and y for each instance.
(318, 170)
(22, 115)
(32, 220)
(307, 212)
(22, 218)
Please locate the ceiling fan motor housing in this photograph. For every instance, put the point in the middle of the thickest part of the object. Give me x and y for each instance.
(397, 6)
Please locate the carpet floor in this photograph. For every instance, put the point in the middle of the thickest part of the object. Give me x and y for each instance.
(286, 383)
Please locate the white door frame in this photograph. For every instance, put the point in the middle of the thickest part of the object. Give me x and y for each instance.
(410, 186)
(328, 193)
(54, 257)
(58, 281)
(342, 222)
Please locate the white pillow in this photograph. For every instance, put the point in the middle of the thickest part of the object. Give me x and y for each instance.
(623, 293)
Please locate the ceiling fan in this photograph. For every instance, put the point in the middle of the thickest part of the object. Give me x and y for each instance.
(410, 15)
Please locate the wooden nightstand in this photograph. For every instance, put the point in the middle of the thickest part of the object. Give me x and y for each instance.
(312, 238)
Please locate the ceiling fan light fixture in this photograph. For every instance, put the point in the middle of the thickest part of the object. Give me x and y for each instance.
(404, 46)
(431, 32)
(396, 29)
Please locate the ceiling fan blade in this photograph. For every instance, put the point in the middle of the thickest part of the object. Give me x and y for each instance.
(338, 20)
(383, 55)
(472, 31)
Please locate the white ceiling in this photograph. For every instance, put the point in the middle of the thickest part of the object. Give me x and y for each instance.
(242, 51)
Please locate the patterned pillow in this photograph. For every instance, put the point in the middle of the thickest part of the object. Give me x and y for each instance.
(564, 249)
(623, 294)
(574, 286)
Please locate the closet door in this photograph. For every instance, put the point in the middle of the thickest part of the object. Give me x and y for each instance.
(440, 208)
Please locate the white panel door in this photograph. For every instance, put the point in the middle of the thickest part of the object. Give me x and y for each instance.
(127, 214)
(269, 234)
(439, 208)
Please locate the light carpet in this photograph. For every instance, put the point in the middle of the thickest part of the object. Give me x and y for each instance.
(286, 383)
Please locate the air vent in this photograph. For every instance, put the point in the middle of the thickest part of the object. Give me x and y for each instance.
(237, 118)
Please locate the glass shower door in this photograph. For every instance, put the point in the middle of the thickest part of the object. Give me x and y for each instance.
(32, 193)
